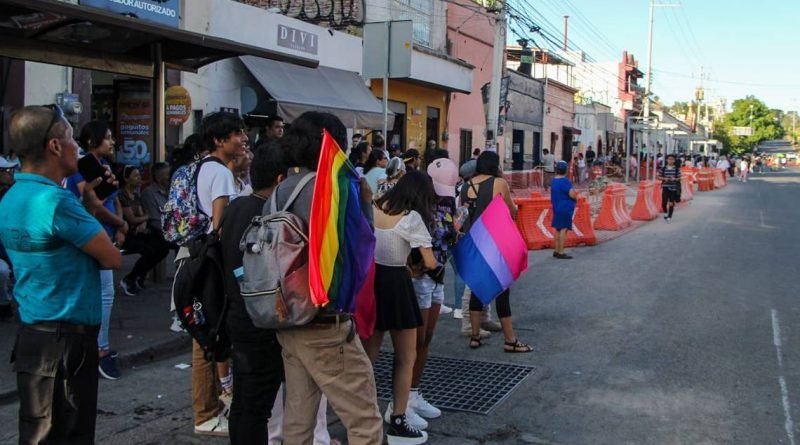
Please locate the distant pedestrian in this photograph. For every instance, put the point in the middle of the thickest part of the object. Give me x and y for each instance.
(562, 196)
(57, 248)
(375, 168)
(744, 168)
(670, 177)
(581, 168)
(549, 167)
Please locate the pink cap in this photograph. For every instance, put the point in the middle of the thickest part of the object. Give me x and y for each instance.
(444, 174)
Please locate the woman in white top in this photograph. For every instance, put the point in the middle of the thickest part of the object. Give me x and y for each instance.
(402, 217)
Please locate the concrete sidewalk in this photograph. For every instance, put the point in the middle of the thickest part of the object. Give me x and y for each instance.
(139, 328)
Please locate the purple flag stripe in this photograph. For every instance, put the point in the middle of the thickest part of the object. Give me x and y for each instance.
(475, 272)
(491, 254)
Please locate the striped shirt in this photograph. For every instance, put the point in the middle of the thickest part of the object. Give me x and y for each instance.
(670, 177)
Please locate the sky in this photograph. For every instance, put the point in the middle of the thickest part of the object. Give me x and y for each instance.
(745, 47)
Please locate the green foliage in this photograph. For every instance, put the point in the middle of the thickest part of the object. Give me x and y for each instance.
(748, 112)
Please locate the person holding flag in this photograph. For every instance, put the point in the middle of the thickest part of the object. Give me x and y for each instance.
(492, 255)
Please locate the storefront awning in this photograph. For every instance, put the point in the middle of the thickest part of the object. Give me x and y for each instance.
(298, 89)
(55, 32)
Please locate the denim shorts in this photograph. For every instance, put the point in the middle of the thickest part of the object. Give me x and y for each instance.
(428, 291)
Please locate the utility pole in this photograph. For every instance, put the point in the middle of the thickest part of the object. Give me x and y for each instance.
(649, 80)
(498, 68)
(649, 75)
(566, 31)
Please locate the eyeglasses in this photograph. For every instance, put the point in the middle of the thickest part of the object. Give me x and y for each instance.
(58, 113)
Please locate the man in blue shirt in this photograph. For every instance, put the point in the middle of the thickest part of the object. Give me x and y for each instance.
(57, 248)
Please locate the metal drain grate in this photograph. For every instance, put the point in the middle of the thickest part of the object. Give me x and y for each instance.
(461, 385)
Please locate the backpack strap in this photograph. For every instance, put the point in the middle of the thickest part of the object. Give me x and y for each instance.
(298, 189)
(271, 206)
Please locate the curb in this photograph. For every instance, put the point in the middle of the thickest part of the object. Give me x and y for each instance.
(147, 354)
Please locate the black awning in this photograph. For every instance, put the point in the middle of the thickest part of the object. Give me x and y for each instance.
(55, 32)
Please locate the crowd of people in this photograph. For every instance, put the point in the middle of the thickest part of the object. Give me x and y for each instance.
(275, 384)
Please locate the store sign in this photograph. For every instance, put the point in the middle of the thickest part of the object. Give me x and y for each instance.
(297, 39)
(134, 123)
(178, 105)
(165, 12)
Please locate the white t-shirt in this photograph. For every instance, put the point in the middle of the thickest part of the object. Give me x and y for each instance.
(214, 181)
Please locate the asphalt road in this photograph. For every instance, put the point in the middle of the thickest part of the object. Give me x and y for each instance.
(682, 333)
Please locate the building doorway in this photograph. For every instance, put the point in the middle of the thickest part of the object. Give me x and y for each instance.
(537, 148)
(396, 136)
(432, 126)
(464, 146)
(518, 150)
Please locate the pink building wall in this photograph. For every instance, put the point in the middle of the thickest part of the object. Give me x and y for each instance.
(559, 113)
(471, 35)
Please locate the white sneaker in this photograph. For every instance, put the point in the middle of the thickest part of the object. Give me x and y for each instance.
(413, 418)
(176, 324)
(218, 426)
(468, 332)
(419, 405)
(445, 309)
(458, 314)
(227, 400)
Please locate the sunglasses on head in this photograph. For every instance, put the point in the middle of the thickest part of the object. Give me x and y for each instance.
(58, 113)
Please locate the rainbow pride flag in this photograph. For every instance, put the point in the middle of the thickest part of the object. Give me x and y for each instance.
(491, 257)
(341, 243)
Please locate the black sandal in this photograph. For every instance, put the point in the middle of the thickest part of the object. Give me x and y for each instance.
(475, 342)
(516, 346)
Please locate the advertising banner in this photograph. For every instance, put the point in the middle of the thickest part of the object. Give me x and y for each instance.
(165, 12)
(134, 123)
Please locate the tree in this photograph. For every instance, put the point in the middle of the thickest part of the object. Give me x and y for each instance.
(749, 112)
(791, 124)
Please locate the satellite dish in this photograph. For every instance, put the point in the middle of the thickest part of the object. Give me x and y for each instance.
(249, 99)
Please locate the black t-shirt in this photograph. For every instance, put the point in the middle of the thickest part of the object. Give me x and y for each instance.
(237, 218)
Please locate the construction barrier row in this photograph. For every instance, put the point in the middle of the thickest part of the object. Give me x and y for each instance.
(614, 213)
(535, 216)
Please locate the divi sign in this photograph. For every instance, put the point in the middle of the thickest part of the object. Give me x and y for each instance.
(298, 40)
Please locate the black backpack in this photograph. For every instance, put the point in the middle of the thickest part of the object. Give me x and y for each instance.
(199, 296)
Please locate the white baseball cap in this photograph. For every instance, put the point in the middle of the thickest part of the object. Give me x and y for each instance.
(444, 174)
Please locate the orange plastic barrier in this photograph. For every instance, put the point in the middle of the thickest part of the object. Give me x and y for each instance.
(724, 177)
(657, 196)
(533, 220)
(705, 180)
(717, 178)
(613, 210)
(643, 209)
(687, 187)
(582, 232)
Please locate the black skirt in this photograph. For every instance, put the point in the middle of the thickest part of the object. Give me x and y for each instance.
(396, 305)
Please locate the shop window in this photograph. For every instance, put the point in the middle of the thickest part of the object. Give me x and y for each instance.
(421, 13)
(432, 126)
(464, 146)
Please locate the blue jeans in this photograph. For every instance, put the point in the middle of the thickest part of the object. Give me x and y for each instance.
(107, 294)
(458, 285)
(5, 273)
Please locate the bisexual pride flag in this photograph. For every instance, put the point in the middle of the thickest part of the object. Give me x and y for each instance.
(493, 254)
(341, 247)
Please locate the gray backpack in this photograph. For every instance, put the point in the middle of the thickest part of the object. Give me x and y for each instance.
(273, 280)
